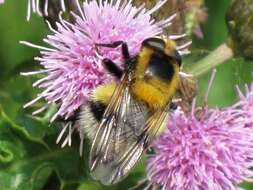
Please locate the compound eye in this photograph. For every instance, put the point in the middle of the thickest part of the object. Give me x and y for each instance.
(154, 43)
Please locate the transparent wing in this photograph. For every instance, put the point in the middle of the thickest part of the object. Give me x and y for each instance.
(123, 134)
(187, 91)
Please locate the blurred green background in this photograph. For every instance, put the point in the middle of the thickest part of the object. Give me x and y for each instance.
(29, 157)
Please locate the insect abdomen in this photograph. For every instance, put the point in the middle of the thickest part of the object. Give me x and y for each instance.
(97, 109)
(92, 112)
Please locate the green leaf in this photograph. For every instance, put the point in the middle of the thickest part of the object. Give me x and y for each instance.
(15, 28)
(248, 186)
(29, 156)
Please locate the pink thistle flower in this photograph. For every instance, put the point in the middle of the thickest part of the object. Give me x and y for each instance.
(211, 150)
(72, 68)
(245, 105)
(1, 1)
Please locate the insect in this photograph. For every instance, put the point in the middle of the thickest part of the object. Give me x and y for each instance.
(130, 113)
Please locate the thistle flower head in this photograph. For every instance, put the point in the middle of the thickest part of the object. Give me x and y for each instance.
(246, 99)
(210, 151)
(1, 1)
(72, 67)
(245, 105)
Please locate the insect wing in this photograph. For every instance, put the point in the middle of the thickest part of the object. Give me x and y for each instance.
(187, 90)
(117, 145)
(126, 130)
(187, 86)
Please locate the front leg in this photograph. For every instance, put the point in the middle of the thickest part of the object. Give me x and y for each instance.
(112, 67)
(124, 48)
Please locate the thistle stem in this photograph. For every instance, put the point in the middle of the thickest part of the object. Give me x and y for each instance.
(214, 59)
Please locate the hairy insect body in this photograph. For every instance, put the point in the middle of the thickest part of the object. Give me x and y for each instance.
(150, 88)
(123, 117)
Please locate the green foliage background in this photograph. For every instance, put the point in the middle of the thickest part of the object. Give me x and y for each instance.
(29, 157)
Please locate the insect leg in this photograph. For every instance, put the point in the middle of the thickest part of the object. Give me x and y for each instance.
(125, 51)
(112, 68)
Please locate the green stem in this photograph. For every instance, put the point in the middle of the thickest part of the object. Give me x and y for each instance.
(214, 59)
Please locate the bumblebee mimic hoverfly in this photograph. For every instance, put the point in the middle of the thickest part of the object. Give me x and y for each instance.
(130, 113)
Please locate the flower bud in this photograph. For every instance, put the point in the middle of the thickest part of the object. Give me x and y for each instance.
(50, 10)
(239, 20)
